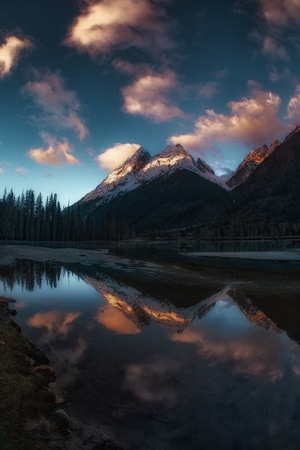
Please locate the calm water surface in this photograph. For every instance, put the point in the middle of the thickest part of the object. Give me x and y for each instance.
(217, 374)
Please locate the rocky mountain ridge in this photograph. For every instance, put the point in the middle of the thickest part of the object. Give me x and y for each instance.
(251, 161)
(173, 191)
(140, 168)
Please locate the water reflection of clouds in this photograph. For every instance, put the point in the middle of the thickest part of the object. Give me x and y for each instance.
(250, 349)
(115, 320)
(56, 322)
(154, 381)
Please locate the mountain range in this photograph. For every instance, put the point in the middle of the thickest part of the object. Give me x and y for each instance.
(173, 191)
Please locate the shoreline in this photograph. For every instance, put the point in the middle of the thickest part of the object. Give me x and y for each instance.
(32, 415)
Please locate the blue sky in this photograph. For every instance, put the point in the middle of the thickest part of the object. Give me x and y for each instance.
(84, 83)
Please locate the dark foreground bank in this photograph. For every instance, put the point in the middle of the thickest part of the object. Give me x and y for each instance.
(31, 416)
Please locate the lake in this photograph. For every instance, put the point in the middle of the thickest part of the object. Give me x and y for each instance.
(209, 364)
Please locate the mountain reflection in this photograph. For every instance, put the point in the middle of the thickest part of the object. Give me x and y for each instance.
(184, 376)
(141, 309)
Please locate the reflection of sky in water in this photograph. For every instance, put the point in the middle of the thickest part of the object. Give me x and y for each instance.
(187, 380)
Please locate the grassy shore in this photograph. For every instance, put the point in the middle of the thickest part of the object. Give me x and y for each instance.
(26, 403)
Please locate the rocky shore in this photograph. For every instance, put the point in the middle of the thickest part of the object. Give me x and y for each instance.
(31, 415)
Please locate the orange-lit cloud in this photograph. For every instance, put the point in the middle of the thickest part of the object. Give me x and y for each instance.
(115, 320)
(281, 13)
(10, 53)
(147, 96)
(57, 153)
(54, 321)
(252, 121)
(107, 25)
(59, 106)
(114, 156)
(294, 108)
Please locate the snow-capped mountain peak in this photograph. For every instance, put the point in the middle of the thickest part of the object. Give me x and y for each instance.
(172, 158)
(123, 179)
(141, 168)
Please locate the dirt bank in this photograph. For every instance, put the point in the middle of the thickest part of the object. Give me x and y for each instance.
(31, 416)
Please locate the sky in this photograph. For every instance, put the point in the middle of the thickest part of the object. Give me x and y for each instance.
(84, 83)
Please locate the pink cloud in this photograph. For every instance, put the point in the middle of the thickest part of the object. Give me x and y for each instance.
(274, 49)
(21, 171)
(294, 108)
(114, 156)
(59, 106)
(103, 26)
(54, 321)
(2, 171)
(253, 353)
(209, 90)
(252, 121)
(113, 319)
(57, 153)
(146, 96)
(10, 53)
(280, 13)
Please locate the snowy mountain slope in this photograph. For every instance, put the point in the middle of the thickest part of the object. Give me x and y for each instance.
(123, 179)
(141, 169)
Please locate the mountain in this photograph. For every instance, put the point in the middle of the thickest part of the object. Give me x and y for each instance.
(270, 197)
(141, 168)
(249, 164)
(174, 192)
(123, 179)
(149, 193)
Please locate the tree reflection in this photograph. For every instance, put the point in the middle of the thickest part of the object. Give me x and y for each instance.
(30, 274)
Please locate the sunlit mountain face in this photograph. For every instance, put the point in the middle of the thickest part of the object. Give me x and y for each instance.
(124, 356)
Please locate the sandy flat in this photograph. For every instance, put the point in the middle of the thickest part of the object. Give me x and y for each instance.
(9, 253)
(285, 255)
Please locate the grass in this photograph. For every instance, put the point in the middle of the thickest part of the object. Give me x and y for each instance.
(24, 400)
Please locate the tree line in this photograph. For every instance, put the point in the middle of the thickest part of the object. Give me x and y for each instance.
(28, 217)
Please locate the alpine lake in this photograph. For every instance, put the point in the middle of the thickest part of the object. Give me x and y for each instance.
(174, 355)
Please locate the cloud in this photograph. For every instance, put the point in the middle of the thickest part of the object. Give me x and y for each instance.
(280, 17)
(2, 171)
(107, 25)
(209, 90)
(281, 13)
(277, 75)
(114, 156)
(54, 321)
(294, 108)
(10, 53)
(273, 49)
(252, 121)
(21, 171)
(115, 320)
(146, 96)
(57, 153)
(150, 381)
(59, 106)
